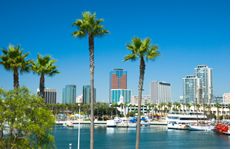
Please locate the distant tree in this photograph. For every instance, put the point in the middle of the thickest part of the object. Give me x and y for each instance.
(44, 66)
(218, 106)
(169, 105)
(188, 106)
(130, 114)
(142, 50)
(13, 59)
(198, 107)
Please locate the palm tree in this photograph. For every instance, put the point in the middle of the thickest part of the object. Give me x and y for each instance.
(198, 107)
(178, 106)
(188, 105)
(13, 59)
(208, 109)
(218, 106)
(169, 105)
(44, 66)
(92, 27)
(141, 49)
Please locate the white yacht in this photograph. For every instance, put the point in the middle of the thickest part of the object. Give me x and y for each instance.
(183, 120)
(111, 123)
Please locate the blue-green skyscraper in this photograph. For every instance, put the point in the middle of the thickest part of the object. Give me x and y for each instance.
(86, 92)
(117, 94)
(69, 94)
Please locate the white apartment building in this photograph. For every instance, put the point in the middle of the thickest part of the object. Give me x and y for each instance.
(204, 73)
(160, 92)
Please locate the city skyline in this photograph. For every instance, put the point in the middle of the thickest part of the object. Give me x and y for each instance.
(182, 46)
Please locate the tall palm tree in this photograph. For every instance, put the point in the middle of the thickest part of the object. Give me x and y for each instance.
(90, 26)
(44, 66)
(143, 50)
(13, 59)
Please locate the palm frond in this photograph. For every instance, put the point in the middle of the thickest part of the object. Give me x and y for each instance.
(131, 57)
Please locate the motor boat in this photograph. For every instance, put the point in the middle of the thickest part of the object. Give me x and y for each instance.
(111, 123)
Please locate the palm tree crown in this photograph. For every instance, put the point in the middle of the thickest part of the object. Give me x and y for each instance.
(141, 49)
(13, 59)
(45, 65)
(89, 25)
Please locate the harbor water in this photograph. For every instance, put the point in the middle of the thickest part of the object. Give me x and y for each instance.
(152, 137)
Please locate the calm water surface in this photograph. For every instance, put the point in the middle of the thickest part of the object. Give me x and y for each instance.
(153, 137)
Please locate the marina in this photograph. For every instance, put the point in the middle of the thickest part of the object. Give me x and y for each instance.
(124, 138)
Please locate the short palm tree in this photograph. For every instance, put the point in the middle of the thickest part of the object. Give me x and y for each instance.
(90, 26)
(198, 107)
(188, 105)
(169, 105)
(13, 59)
(218, 106)
(208, 107)
(142, 50)
(178, 106)
(44, 66)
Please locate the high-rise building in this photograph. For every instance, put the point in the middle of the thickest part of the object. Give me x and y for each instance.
(86, 92)
(160, 92)
(69, 94)
(49, 95)
(204, 73)
(117, 94)
(118, 80)
(191, 87)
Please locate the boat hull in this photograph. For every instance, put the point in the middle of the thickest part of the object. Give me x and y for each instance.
(111, 123)
(200, 128)
(178, 126)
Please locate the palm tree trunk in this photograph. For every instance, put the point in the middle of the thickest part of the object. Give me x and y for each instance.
(141, 82)
(16, 78)
(42, 85)
(217, 114)
(92, 67)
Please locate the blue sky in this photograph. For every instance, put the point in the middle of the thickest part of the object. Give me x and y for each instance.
(188, 33)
